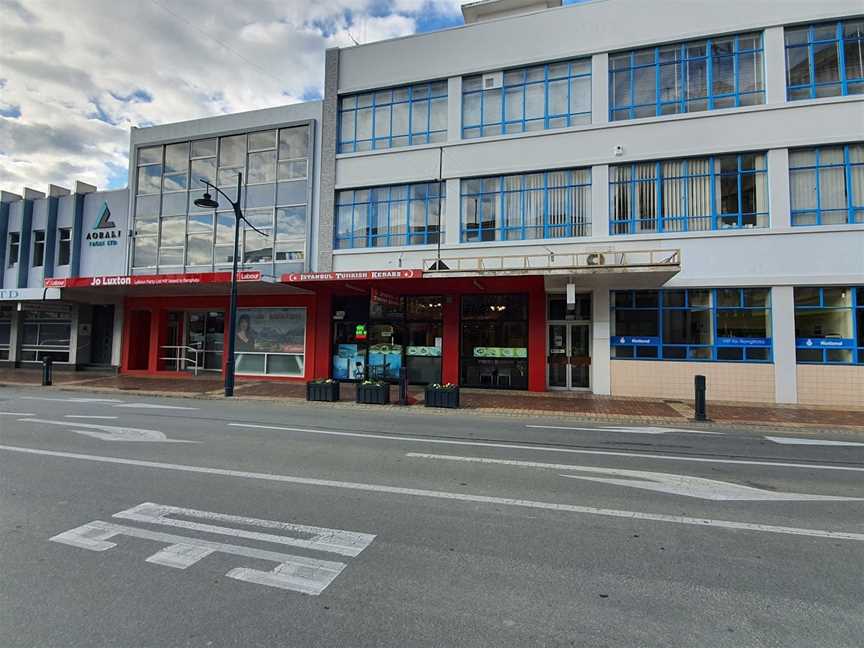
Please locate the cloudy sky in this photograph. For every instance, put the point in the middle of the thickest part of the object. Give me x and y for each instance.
(76, 74)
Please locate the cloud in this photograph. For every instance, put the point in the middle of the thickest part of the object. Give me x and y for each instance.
(77, 74)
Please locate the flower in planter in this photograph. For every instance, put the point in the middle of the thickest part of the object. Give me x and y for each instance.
(445, 386)
(373, 383)
(324, 381)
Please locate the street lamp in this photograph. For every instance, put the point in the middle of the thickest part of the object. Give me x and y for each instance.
(207, 201)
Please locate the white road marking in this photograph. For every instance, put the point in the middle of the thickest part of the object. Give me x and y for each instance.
(110, 432)
(816, 442)
(17, 414)
(627, 430)
(686, 485)
(71, 400)
(347, 543)
(295, 573)
(83, 416)
(517, 446)
(444, 495)
(155, 406)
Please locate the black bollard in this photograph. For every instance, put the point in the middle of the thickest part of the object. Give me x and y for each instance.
(699, 413)
(47, 371)
(403, 385)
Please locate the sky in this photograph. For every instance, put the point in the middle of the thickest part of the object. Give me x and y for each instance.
(75, 75)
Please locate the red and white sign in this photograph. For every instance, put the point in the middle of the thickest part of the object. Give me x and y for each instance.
(294, 277)
(190, 278)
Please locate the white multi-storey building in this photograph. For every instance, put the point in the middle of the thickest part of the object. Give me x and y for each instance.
(615, 195)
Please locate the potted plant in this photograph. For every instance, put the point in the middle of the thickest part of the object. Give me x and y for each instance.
(323, 389)
(446, 395)
(373, 392)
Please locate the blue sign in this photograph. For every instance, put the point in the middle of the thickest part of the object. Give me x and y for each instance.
(636, 339)
(743, 341)
(825, 343)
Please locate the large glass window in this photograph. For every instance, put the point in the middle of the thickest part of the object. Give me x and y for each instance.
(827, 185)
(828, 325)
(693, 194)
(46, 334)
(391, 118)
(5, 331)
(825, 60)
(495, 341)
(270, 341)
(723, 324)
(556, 95)
(724, 72)
(170, 231)
(548, 204)
(399, 215)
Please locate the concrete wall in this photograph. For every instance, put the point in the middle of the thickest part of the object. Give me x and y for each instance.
(836, 385)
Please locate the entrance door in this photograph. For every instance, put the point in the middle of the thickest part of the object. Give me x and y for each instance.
(205, 331)
(569, 356)
(102, 335)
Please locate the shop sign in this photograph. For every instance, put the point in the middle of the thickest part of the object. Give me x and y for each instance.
(825, 343)
(360, 332)
(105, 232)
(743, 341)
(294, 277)
(500, 352)
(190, 278)
(636, 339)
(384, 298)
(24, 294)
(424, 351)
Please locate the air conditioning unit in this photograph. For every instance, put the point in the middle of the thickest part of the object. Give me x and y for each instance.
(492, 80)
(595, 259)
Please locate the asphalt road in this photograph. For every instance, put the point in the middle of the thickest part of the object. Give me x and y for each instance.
(128, 521)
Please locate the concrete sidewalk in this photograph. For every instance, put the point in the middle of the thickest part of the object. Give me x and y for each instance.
(496, 402)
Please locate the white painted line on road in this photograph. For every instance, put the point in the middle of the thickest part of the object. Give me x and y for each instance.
(84, 416)
(110, 432)
(627, 430)
(347, 543)
(17, 414)
(516, 446)
(444, 495)
(816, 442)
(686, 485)
(71, 400)
(155, 406)
(295, 573)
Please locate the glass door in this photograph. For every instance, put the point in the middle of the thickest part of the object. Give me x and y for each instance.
(580, 356)
(569, 356)
(205, 331)
(557, 356)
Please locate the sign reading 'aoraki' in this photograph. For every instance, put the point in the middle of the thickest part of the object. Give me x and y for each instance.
(105, 232)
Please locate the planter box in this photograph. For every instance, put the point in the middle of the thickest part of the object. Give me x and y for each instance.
(373, 394)
(326, 392)
(442, 398)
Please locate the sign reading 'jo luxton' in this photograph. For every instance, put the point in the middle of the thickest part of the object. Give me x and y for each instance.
(190, 278)
(293, 277)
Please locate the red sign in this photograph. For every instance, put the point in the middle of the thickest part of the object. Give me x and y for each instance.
(293, 277)
(190, 278)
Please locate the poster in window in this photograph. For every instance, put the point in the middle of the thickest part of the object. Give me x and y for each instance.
(277, 332)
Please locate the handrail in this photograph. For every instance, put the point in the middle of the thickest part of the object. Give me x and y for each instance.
(594, 260)
(182, 359)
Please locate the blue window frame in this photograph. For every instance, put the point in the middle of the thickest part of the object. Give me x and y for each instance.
(556, 95)
(548, 204)
(687, 195)
(825, 60)
(826, 185)
(718, 324)
(829, 325)
(404, 116)
(722, 72)
(398, 215)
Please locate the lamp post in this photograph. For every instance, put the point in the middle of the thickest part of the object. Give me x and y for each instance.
(207, 201)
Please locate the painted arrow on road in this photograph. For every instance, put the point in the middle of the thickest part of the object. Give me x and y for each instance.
(111, 432)
(685, 485)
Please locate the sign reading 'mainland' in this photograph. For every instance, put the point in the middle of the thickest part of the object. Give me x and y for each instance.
(190, 278)
(293, 277)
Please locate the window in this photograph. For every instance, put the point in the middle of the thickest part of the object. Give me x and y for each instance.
(556, 95)
(402, 116)
(827, 185)
(38, 248)
(46, 334)
(495, 341)
(270, 341)
(724, 72)
(64, 246)
(14, 245)
(825, 60)
(828, 325)
(694, 194)
(544, 205)
(389, 216)
(5, 331)
(724, 324)
(171, 231)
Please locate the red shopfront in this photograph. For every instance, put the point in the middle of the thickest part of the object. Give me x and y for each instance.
(485, 332)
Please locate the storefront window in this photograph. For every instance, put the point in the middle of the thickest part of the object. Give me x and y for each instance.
(5, 331)
(828, 325)
(270, 341)
(727, 324)
(495, 341)
(45, 334)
